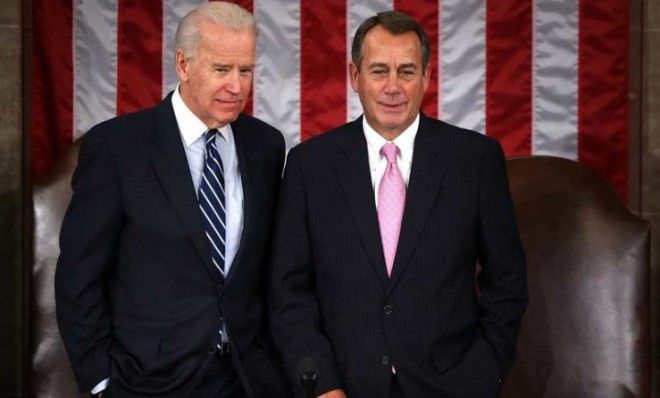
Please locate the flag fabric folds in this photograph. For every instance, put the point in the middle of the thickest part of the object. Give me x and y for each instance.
(544, 77)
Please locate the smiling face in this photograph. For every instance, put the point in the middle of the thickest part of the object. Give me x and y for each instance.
(390, 80)
(215, 82)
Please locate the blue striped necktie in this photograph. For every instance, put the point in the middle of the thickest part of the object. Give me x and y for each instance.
(212, 205)
(212, 202)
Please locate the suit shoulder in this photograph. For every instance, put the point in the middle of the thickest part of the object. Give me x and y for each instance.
(462, 136)
(128, 127)
(327, 140)
(263, 131)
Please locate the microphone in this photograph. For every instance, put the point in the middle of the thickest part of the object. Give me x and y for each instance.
(309, 375)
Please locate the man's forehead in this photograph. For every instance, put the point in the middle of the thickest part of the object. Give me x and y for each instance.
(382, 41)
(380, 52)
(387, 63)
(379, 33)
(239, 44)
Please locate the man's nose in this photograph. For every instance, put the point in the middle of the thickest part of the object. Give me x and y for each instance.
(234, 82)
(392, 84)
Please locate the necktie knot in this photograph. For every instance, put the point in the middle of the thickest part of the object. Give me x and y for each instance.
(390, 151)
(209, 136)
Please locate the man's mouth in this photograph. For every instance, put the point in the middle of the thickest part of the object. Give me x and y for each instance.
(393, 107)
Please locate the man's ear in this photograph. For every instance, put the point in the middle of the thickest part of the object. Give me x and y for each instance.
(353, 71)
(427, 76)
(181, 64)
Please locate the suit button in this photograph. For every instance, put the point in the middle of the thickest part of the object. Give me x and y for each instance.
(222, 297)
(210, 352)
(385, 360)
(388, 309)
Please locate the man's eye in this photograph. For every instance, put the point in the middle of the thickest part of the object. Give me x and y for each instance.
(221, 70)
(379, 72)
(246, 71)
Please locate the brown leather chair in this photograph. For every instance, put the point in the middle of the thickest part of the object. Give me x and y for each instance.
(50, 373)
(586, 332)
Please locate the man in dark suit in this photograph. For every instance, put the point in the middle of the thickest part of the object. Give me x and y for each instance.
(380, 227)
(161, 275)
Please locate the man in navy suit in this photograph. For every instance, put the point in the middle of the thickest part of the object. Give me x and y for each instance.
(380, 226)
(161, 275)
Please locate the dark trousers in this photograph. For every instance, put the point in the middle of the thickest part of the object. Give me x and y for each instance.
(395, 388)
(219, 381)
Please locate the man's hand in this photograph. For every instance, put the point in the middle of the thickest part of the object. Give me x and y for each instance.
(333, 394)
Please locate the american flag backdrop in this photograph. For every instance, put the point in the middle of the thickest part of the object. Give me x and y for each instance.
(542, 76)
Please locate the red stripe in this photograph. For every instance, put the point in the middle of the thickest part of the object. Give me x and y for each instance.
(248, 5)
(52, 82)
(426, 13)
(603, 85)
(439, 59)
(509, 74)
(323, 66)
(139, 54)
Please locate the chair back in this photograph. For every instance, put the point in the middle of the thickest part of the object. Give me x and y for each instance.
(586, 332)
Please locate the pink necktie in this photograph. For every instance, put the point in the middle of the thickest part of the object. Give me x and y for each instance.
(391, 200)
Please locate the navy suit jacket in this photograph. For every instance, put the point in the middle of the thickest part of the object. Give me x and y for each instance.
(137, 298)
(446, 333)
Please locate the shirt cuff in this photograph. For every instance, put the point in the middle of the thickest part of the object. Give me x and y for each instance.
(100, 387)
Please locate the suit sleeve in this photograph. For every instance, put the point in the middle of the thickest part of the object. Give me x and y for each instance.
(88, 246)
(295, 317)
(503, 278)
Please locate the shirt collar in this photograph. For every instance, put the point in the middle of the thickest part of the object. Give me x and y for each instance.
(191, 127)
(404, 141)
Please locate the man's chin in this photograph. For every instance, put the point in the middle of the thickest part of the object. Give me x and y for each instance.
(226, 118)
(391, 123)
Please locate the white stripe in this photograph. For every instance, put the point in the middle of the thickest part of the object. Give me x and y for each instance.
(218, 162)
(220, 184)
(208, 237)
(356, 12)
(222, 272)
(173, 11)
(213, 207)
(95, 63)
(222, 187)
(213, 225)
(555, 78)
(277, 73)
(463, 47)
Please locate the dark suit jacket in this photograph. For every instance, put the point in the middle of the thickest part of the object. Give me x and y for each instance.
(332, 299)
(137, 299)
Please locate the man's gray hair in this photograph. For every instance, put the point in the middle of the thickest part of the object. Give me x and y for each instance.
(226, 15)
(396, 23)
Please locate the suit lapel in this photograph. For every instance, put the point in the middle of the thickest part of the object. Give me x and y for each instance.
(355, 180)
(242, 141)
(426, 175)
(171, 166)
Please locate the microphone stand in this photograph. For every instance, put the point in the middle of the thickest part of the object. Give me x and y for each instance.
(309, 379)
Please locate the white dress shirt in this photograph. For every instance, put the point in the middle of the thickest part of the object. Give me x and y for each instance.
(192, 136)
(377, 162)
